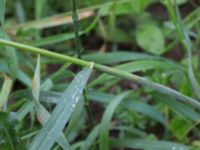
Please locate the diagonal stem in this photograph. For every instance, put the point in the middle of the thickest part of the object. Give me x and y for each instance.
(113, 71)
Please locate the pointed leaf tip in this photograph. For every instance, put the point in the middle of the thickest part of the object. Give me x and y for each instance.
(91, 65)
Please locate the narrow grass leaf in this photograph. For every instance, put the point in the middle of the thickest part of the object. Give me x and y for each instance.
(2, 11)
(138, 106)
(36, 81)
(148, 144)
(140, 65)
(105, 123)
(39, 8)
(120, 56)
(76, 115)
(90, 139)
(42, 114)
(61, 113)
(5, 91)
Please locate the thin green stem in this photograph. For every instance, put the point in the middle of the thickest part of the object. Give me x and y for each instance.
(78, 49)
(76, 28)
(113, 71)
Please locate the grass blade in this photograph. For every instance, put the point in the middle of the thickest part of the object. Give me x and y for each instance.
(2, 11)
(136, 66)
(105, 123)
(186, 42)
(62, 112)
(42, 114)
(5, 91)
(90, 139)
(148, 144)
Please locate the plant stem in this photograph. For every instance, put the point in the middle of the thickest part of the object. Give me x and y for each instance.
(113, 71)
(78, 49)
(76, 28)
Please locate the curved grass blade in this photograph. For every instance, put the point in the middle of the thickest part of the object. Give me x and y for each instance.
(105, 123)
(42, 114)
(90, 139)
(62, 112)
(148, 144)
(76, 115)
(186, 42)
(10, 55)
(178, 107)
(36, 81)
(24, 110)
(39, 8)
(137, 106)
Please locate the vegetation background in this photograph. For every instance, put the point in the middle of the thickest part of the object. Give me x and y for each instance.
(99, 75)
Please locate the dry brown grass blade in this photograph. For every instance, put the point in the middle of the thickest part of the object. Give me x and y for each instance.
(52, 21)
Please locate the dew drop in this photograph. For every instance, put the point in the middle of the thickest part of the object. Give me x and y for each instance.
(76, 99)
(173, 148)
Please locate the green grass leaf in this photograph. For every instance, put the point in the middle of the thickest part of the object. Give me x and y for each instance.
(120, 56)
(39, 8)
(148, 144)
(62, 112)
(42, 114)
(2, 11)
(105, 122)
(91, 138)
(5, 91)
(136, 66)
(137, 106)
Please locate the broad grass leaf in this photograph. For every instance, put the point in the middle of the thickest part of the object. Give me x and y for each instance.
(36, 81)
(10, 55)
(91, 138)
(61, 113)
(178, 107)
(39, 8)
(11, 140)
(42, 114)
(150, 38)
(106, 121)
(148, 144)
